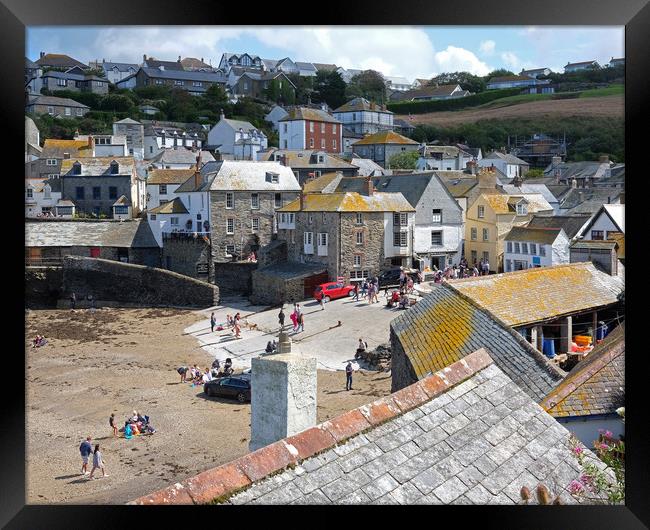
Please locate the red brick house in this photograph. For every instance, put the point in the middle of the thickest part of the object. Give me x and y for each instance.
(306, 128)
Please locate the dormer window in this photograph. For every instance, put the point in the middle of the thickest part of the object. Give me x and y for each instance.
(76, 168)
(522, 209)
(321, 159)
(115, 168)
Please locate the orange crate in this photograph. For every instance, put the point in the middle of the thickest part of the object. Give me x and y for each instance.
(582, 340)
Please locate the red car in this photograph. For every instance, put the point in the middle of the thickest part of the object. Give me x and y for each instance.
(332, 290)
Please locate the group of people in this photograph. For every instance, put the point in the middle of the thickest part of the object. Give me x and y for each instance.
(39, 341)
(86, 449)
(232, 323)
(462, 270)
(297, 318)
(134, 425)
(398, 299)
(369, 290)
(198, 376)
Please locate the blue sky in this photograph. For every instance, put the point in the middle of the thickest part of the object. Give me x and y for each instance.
(408, 51)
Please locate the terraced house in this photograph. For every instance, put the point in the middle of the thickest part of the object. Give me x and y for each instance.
(353, 235)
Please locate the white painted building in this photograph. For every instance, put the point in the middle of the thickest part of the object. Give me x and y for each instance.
(609, 219)
(508, 164)
(157, 138)
(364, 117)
(42, 197)
(527, 248)
(275, 115)
(443, 157)
(225, 134)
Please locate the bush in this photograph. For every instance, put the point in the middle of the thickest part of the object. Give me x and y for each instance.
(406, 160)
(421, 107)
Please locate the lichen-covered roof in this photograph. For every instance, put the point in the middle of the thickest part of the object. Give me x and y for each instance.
(122, 201)
(386, 137)
(323, 184)
(131, 233)
(543, 236)
(538, 294)
(596, 385)
(504, 203)
(350, 202)
(445, 326)
(169, 176)
(98, 166)
(56, 148)
(307, 113)
(174, 206)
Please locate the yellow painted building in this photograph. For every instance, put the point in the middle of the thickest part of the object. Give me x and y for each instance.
(490, 218)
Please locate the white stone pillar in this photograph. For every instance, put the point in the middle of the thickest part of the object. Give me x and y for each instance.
(566, 335)
(283, 397)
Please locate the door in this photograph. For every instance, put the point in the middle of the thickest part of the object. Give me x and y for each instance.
(94, 252)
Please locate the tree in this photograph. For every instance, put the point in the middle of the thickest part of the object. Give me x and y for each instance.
(330, 88)
(406, 160)
(304, 88)
(499, 72)
(368, 84)
(534, 173)
(467, 81)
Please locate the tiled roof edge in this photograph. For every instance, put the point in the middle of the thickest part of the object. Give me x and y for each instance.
(553, 370)
(218, 484)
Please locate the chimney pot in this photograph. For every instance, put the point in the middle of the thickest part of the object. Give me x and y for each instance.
(368, 187)
(144, 57)
(42, 54)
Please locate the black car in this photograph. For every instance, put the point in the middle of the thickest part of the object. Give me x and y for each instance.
(390, 277)
(236, 387)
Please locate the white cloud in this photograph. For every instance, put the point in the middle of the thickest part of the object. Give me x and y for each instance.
(487, 47)
(511, 60)
(455, 59)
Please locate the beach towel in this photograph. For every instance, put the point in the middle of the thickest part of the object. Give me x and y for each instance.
(127, 432)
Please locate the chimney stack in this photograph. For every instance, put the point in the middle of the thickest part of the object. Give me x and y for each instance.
(179, 59)
(487, 179)
(42, 54)
(471, 165)
(302, 197)
(368, 187)
(574, 183)
(221, 115)
(144, 57)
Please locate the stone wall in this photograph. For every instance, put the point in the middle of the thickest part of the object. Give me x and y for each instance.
(372, 249)
(234, 277)
(187, 255)
(275, 252)
(43, 286)
(129, 283)
(283, 283)
(401, 369)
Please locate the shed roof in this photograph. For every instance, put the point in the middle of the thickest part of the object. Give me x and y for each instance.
(534, 295)
(131, 233)
(445, 440)
(350, 202)
(385, 137)
(596, 385)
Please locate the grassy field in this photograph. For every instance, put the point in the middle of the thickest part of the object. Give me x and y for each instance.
(614, 90)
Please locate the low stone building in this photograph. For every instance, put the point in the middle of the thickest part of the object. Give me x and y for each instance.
(286, 282)
(54, 106)
(381, 146)
(353, 235)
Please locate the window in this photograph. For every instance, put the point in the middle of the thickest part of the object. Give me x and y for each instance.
(255, 224)
(354, 116)
(121, 210)
(542, 250)
(486, 256)
(509, 246)
(334, 144)
(159, 81)
(80, 112)
(481, 212)
(286, 129)
(230, 225)
(50, 111)
(524, 248)
(334, 128)
(322, 128)
(359, 238)
(474, 257)
(310, 218)
(277, 202)
(230, 250)
(174, 221)
(400, 239)
(311, 142)
(275, 178)
(322, 143)
(357, 260)
(163, 189)
(51, 162)
(97, 192)
(324, 218)
(597, 235)
(230, 200)
(533, 248)
(179, 82)
(68, 111)
(255, 201)
(517, 248)
(80, 192)
(400, 219)
(436, 238)
(197, 83)
(30, 193)
(473, 234)
(311, 126)
(486, 234)
(308, 240)
(359, 218)
(61, 82)
(437, 216)
(521, 209)
(322, 239)
(153, 217)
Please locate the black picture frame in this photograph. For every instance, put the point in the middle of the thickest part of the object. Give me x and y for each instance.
(15, 15)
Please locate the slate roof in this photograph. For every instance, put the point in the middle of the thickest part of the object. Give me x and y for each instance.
(587, 200)
(133, 233)
(326, 67)
(131, 121)
(579, 170)
(357, 104)
(121, 67)
(596, 385)
(580, 63)
(168, 65)
(169, 176)
(428, 91)
(445, 326)
(306, 113)
(98, 166)
(182, 155)
(56, 102)
(292, 270)
(385, 137)
(214, 77)
(239, 124)
(543, 236)
(594, 244)
(174, 206)
(58, 60)
(509, 158)
(535, 295)
(350, 202)
(458, 183)
(326, 183)
(467, 435)
(446, 151)
(367, 167)
(307, 158)
(240, 175)
(571, 224)
(531, 188)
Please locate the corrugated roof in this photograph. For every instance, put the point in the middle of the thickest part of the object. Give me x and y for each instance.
(350, 202)
(544, 236)
(174, 206)
(386, 137)
(134, 233)
(596, 385)
(445, 326)
(538, 294)
(169, 176)
(240, 175)
(306, 113)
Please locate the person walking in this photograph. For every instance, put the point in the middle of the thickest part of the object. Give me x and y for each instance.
(301, 322)
(375, 292)
(85, 449)
(98, 463)
(111, 422)
(281, 317)
(348, 376)
(182, 370)
(356, 291)
(73, 301)
(322, 302)
(294, 318)
(213, 322)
